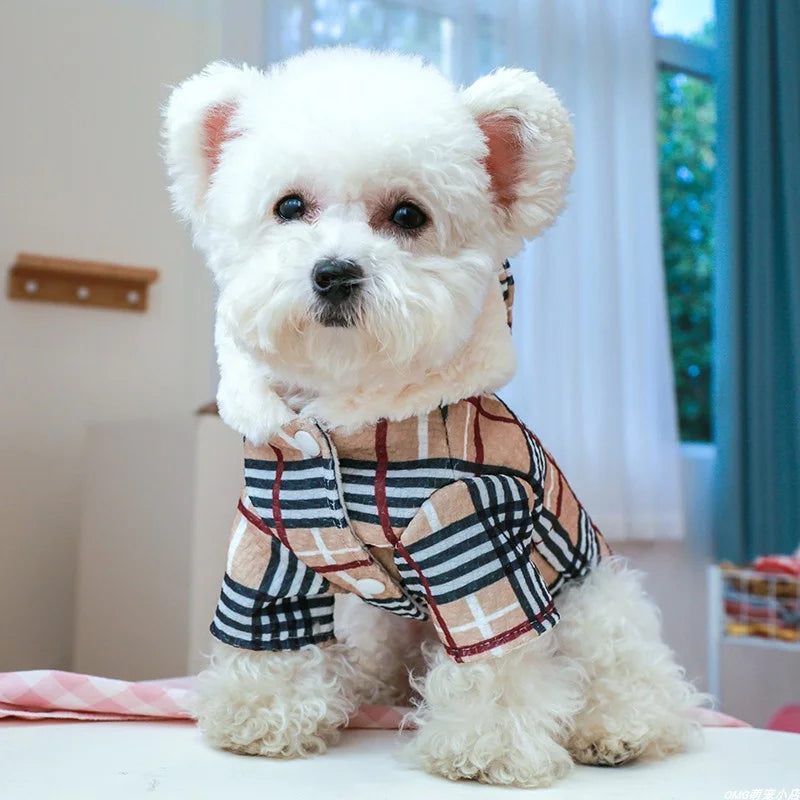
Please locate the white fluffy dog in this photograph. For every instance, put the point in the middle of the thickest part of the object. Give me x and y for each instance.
(355, 209)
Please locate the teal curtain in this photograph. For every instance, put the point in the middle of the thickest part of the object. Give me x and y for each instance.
(757, 336)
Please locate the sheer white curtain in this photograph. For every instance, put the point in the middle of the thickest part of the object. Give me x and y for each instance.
(594, 377)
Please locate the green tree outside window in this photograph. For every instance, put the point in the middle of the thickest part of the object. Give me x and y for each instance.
(686, 141)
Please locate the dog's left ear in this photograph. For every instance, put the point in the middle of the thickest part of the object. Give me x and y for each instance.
(530, 156)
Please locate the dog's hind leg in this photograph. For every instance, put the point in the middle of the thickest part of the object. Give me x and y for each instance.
(636, 696)
(386, 647)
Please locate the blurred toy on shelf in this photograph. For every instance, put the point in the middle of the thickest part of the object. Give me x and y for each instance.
(763, 600)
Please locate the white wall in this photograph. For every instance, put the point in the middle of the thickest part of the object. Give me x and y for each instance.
(147, 586)
(81, 176)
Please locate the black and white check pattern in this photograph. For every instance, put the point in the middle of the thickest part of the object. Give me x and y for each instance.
(480, 549)
(408, 485)
(309, 494)
(507, 287)
(291, 608)
(484, 528)
(402, 606)
(570, 559)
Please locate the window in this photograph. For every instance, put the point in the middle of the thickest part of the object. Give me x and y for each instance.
(435, 29)
(685, 41)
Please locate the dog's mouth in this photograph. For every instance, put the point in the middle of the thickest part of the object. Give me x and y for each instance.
(337, 316)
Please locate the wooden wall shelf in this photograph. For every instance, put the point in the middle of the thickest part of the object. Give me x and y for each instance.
(83, 283)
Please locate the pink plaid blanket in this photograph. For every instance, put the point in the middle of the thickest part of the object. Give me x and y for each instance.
(51, 694)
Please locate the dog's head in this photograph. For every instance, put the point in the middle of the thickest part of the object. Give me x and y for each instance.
(356, 208)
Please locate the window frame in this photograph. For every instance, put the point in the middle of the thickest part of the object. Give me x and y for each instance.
(678, 55)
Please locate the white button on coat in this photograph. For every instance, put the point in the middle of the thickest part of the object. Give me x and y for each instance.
(369, 587)
(306, 443)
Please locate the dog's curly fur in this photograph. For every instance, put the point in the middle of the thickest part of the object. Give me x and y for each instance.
(488, 721)
(635, 695)
(355, 133)
(277, 704)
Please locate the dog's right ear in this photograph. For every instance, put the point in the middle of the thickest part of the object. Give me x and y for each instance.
(200, 117)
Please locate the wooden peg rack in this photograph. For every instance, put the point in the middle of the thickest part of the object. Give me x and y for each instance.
(83, 283)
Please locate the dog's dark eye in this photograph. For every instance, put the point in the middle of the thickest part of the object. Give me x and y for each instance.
(290, 207)
(408, 216)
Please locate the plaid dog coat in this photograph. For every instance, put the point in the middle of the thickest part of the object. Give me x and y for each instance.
(459, 515)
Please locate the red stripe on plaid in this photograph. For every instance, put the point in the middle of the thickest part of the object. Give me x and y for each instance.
(488, 414)
(451, 644)
(476, 426)
(383, 514)
(382, 457)
(254, 519)
(512, 419)
(487, 644)
(337, 567)
(276, 496)
(560, 493)
(562, 478)
(562, 482)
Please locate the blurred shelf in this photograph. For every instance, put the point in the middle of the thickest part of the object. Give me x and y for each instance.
(752, 601)
(48, 279)
(761, 641)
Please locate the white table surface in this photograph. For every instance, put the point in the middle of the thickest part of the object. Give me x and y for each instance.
(116, 760)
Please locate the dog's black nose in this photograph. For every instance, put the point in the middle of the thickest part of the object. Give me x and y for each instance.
(335, 280)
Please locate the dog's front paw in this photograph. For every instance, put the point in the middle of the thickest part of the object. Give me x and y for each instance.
(491, 756)
(608, 751)
(251, 408)
(266, 727)
(484, 721)
(275, 704)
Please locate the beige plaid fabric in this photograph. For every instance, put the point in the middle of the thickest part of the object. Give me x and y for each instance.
(459, 515)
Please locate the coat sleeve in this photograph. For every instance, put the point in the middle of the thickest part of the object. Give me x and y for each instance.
(468, 552)
(269, 600)
(567, 544)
